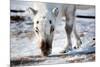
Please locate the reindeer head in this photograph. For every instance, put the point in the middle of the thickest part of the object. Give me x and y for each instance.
(43, 27)
(44, 21)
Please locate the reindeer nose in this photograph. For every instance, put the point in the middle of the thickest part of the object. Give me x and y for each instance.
(51, 29)
(37, 30)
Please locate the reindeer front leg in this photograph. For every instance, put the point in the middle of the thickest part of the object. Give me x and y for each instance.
(77, 41)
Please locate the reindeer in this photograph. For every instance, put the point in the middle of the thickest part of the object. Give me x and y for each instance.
(45, 15)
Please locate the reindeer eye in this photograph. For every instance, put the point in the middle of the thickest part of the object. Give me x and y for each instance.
(50, 21)
(37, 22)
(44, 17)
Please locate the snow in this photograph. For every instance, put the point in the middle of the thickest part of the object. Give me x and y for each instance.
(88, 12)
(23, 44)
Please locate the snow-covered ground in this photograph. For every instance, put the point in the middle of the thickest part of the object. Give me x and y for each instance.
(23, 40)
(25, 46)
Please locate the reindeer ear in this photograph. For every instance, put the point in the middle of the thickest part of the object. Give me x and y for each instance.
(33, 11)
(55, 12)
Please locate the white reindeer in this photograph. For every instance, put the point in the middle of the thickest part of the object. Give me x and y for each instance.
(45, 15)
